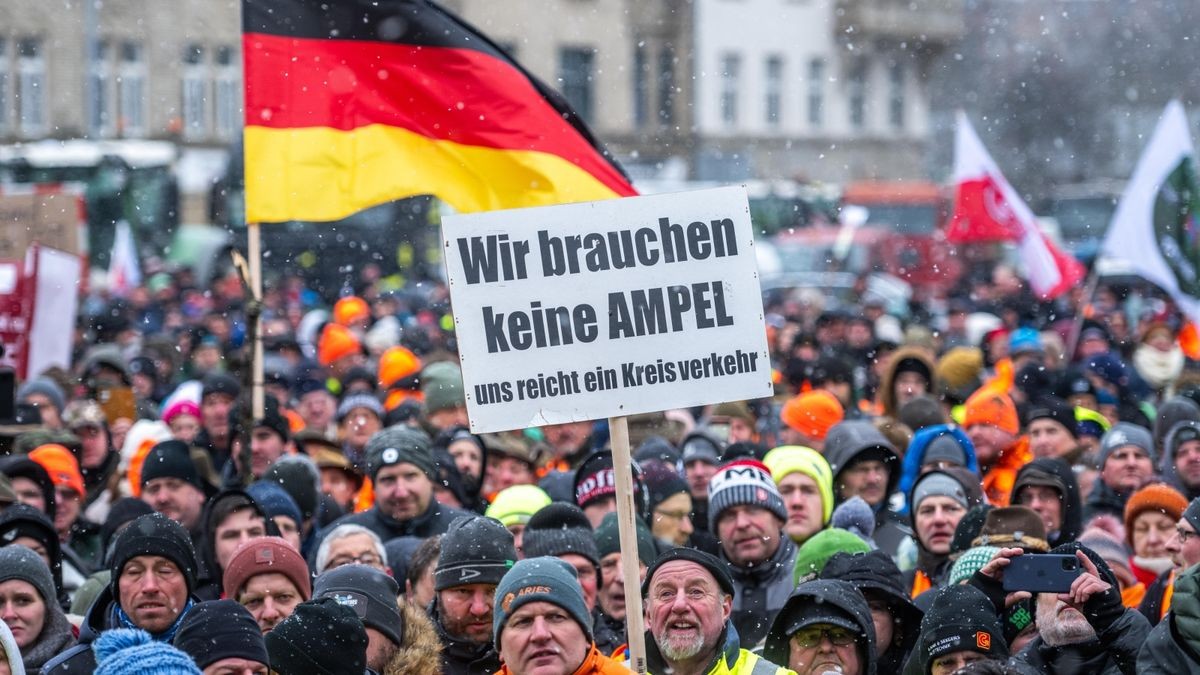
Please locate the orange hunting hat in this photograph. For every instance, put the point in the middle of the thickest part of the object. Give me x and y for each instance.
(812, 413)
(61, 465)
(350, 309)
(335, 342)
(396, 364)
(988, 406)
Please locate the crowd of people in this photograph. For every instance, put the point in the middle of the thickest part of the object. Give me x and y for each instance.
(860, 521)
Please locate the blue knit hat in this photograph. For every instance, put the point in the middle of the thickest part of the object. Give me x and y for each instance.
(126, 651)
(542, 579)
(274, 500)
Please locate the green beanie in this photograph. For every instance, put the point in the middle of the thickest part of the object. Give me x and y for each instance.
(817, 551)
(971, 561)
(442, 385)
(608, 539)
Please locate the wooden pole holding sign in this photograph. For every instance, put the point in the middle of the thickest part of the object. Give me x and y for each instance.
(618, 430)
(254, 250)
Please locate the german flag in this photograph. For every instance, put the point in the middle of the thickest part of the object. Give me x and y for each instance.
(355, 103)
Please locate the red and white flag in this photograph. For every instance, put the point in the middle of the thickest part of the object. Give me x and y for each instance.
(988, 209)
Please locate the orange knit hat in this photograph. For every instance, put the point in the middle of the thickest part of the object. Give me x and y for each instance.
(61, 465)
(335, 342)
(397, 363)
(812, 413)
(988, 406)
(1154, 497)
(350, 309)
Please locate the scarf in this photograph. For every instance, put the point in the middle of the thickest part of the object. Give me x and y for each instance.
(56, 636)
(168, 635)
(1158, 368)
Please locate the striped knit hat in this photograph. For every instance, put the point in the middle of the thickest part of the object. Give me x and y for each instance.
(745, 481)
(971, 561)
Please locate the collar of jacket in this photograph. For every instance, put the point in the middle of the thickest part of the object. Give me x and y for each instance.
(459, 649)
(729, 652)
(769, 567)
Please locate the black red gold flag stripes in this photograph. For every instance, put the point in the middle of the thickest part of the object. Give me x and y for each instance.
(352, 103)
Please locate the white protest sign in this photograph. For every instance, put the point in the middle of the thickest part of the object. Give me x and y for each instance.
(602, 309)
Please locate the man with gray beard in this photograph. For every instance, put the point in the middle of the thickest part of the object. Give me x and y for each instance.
(689, 600)
(1086, 630)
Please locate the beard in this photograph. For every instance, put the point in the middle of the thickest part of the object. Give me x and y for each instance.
(1062, 629)
(680, 649)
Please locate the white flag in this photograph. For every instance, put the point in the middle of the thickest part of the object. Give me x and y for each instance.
(123, 272)
(1154, 228)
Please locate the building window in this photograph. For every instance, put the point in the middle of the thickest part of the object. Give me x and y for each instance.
(731, 65)
(5, 87)
(816, 93)
(857, 94)
(228, 119)
(666, 86)
(132, 78)
(31, 87)
(575, 76)
(896, 96)
(641, 86)
(195, 92)
(774, 90)
(100, 118)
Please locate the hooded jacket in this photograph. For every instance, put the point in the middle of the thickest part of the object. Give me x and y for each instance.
(933, 566)
(421, 651)
(57, 636)
(876, 575)
(824, 593)
(1119, 636)
(761, 591)
(1167, 467)
(856, 440)
(1173, 647)
(914, 456)
(209, 573)
(462, 657)
(887, 394)
(1173, 411)
(730, 659)
(1057, 474)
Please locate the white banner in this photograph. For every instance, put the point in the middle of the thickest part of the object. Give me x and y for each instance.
(618, 307)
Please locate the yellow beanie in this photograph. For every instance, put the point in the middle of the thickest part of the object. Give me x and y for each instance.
(791, 458)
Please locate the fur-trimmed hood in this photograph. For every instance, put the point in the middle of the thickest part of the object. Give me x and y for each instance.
(422, 650)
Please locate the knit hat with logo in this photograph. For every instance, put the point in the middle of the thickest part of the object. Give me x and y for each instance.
(745, 481)
(475, 550)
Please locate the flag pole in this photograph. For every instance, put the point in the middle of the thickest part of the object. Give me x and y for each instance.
(618, 429)
(1077, 322)
(254, 251)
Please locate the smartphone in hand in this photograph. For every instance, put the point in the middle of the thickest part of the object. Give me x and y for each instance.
(1041, 573)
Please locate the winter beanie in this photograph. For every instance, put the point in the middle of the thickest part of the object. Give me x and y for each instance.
(970, 562)
(442, 385)
(516, 504)
(364, 401)
(945, 448)
(594, 481)
(321, 637)
(1123, 434)
(557, 529)
(856, 517)
(1054, 409)
(923, 411)
(744, 481)
(266, 554)
(661, 484)
(45, 387)
(938, 484)
(988, 406)
(1192, 513)
(221, 629)
(370, 593)
(399, 444)
(19, 562)
(274, 500)
(961, 618)
(1156, 497)
(540, 579)
(171, 459)
(300, 478)
(709, 562)
(788, 459)
(127, 651)
(336, 342)
(154, 534)
(475, 550)
(608, 539)
(814, 553)
(812, 413)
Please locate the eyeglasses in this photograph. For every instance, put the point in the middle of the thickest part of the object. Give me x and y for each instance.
(363, 559)
(811, 636)
(673, 515)
(1184, 535)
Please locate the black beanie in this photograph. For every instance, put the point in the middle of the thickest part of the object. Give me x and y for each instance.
(221, 629)
(219, 383)
(1052, 408)
(300, 478)
(321, 637)
(476, 550)
(961, 618)
(123, 511)
(369, 592)
(172, 459)
(608, 539)
(661, 484)
(154, 534)
(705, 560)
(556, 529)
(22, 520)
